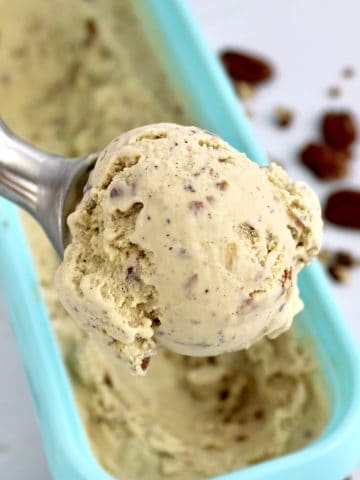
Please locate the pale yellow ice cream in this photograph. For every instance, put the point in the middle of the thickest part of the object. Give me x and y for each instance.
(183, 242)
(188, 418)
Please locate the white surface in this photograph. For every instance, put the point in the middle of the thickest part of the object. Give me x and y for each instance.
(307, 64)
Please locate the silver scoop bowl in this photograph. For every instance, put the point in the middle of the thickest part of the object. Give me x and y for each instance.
(48, 186)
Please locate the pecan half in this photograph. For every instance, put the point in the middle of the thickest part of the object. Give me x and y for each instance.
(339, 129)
(343, 208)
(244, 67)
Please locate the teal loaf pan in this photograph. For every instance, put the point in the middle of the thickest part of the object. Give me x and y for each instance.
(200, 81)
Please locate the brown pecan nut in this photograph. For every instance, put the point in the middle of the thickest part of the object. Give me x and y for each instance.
(343, 208)
(339, 129)
(246, 68)
(324, 161)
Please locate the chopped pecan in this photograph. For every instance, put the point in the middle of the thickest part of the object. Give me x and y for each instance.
(343, 208)
(339, 129)
(324, 161)
(247, 68)
(196, 206)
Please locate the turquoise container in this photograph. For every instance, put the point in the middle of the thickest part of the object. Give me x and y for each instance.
(200, 81)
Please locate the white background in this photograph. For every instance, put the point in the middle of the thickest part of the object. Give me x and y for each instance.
(309, 42)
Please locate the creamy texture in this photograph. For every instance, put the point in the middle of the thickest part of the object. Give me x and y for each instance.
(182, 241)
(193, 418)
(188, 417)
(68, 83)
(54, 57)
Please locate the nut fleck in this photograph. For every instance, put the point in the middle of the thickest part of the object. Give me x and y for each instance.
(259, 414)
(132, 274)
(283, 116)
(224, 394)
(108, 381)
(334, 92)
(145, 363)
(155, 322)
(91, 31)
(189, 188)
(281, 308)
(196, 206)
(223, 185)
(116, 192)
(286, 278)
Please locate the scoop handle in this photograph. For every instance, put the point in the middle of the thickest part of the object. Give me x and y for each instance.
(21, 166)
(48, 186)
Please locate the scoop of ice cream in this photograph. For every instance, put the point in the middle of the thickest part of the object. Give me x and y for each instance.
(182, 241)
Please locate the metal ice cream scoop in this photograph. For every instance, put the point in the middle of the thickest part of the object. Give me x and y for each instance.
(48, 186)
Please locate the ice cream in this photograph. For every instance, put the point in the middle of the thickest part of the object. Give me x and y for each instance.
(182, 241)
(193, 418)
(159, 426)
